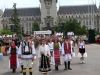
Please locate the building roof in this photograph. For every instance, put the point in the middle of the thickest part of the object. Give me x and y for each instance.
(77, 9)
(23, 12)
(62, 10)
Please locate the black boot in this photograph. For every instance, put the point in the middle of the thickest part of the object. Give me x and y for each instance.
(24, 71)
(69, 66)
(30, 71)
(56, 67)
(65, 63)
(21, 68)
(13, 70)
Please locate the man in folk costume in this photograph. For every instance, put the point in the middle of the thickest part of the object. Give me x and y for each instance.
(67, 51)
(56, 53)
(13, 57)
(27, 54)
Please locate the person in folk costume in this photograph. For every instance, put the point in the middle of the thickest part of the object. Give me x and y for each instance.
(81, 45)
(72, 45)
(67, 53)
(27, 54)
(50, 44)
(44, 57)
(13, 51)
(1, 54)
(56, 53)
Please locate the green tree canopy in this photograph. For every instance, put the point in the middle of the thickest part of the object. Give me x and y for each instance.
(6, 32)
(16, 21)
(72, 25)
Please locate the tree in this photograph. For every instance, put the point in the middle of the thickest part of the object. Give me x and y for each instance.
(6, 32)
(35, 26)
(72, 25)
(82, 30)
(16, 22)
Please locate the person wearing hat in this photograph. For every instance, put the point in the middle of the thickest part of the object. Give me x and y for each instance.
(67, 53)
(27, 54)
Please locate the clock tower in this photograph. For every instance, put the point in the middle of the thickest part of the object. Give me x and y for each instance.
(48, 14)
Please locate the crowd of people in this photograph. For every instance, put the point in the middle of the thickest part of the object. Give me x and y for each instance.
(47, 49)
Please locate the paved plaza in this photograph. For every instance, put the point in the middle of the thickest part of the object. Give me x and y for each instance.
(92, 66)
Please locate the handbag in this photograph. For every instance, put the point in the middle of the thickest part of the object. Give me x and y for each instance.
(85, 55)
(73, 54)
(79, 55)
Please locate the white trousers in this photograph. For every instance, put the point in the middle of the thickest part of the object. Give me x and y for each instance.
(27, 63)
(67, 57)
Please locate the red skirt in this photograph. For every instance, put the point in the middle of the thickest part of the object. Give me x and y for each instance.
(13, 61)
(57, 57)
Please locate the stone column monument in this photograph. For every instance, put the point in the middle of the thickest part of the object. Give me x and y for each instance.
(48, 14)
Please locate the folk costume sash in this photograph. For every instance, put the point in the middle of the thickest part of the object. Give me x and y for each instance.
(67, 48)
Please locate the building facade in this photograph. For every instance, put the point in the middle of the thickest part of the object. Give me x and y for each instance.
(86, 14)
(48, 13)
(47, 16)
(27, 17)
(1, 13)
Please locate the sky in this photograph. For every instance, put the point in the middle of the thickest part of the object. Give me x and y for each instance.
(4, 4)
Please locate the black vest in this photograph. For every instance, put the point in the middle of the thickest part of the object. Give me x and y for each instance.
(29, 49)
(13, 50)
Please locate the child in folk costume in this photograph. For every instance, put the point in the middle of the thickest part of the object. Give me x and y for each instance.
(27, 54)
(67, 53)
(44, 57)
(56, 53)
(81, 45)
(13, 50)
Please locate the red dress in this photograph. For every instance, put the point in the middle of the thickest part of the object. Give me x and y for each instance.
(13, 57)
(56, 54)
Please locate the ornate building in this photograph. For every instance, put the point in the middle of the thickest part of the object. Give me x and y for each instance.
(47, 15)
(27, 17)
(1, 13)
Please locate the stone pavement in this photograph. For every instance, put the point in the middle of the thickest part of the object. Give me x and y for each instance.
(92, 66)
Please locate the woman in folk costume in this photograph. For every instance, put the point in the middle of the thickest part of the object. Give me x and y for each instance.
(13, 57)
(44, 58)
(67, 53)
(50, 44)
(81, 45)
(1, 55)
(56, 53)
